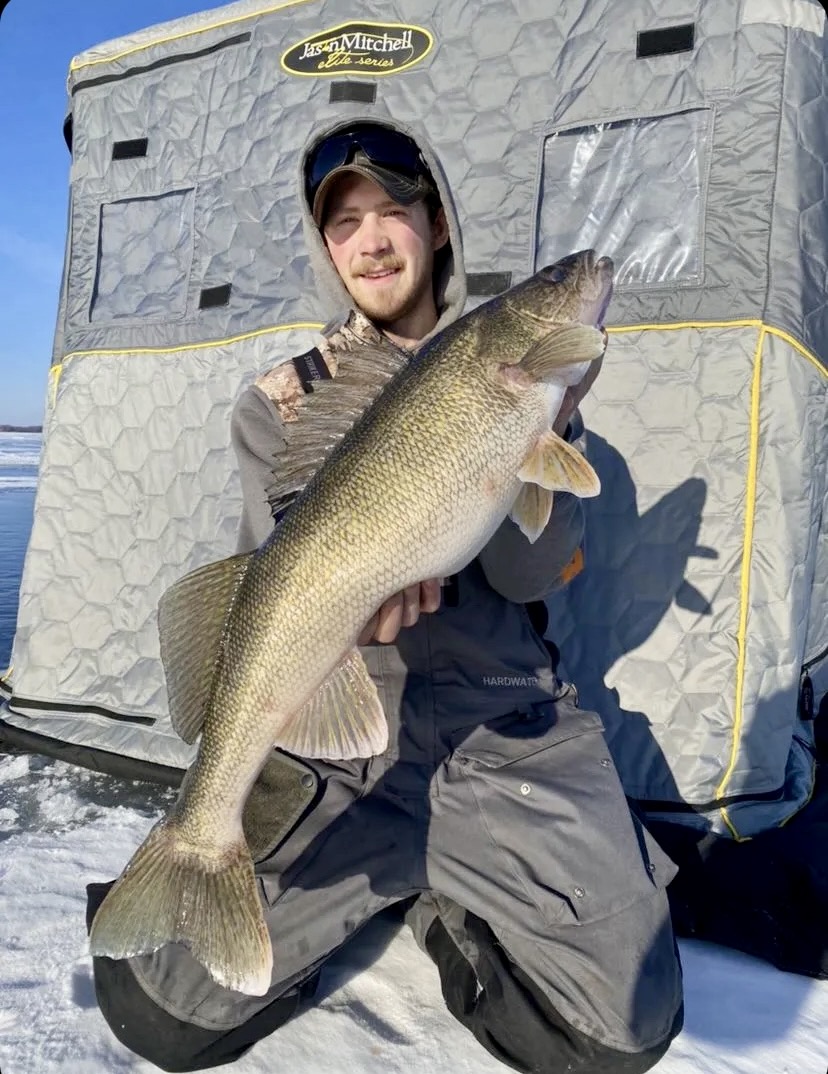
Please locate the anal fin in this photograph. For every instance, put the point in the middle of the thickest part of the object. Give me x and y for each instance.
(343, 719)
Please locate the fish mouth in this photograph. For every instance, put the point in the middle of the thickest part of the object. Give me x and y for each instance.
(575, 289)
(593, 276)
(587, 272)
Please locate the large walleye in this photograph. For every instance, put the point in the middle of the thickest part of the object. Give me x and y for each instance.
(260, 650)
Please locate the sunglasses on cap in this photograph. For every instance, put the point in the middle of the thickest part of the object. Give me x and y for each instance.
(383, 147)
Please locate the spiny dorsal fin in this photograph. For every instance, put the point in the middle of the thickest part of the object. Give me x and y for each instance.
(328, 413)
(343, 719)
(555, 465)
(191, 619)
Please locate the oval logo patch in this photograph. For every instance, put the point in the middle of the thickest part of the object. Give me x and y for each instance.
(359, 48)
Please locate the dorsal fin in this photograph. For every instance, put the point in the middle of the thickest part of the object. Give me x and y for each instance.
(192, 615)
(329, 412)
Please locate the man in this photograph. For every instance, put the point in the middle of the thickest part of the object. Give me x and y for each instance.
(495, 819)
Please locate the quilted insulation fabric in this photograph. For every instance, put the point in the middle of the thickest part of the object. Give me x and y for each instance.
(691, 650)
(700, 171)
(137, 487)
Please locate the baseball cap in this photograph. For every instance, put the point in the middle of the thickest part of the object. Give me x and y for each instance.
(389, 158)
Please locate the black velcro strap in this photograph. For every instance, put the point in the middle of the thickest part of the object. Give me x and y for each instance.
(667, 41)
(311, 366)
(362, 92)
(488, 283)
(130, 149)
(807, 699)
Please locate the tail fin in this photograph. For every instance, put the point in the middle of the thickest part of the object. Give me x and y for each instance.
(169, 893)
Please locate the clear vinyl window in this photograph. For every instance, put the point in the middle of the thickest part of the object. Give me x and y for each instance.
(633, 190)
(145, 250)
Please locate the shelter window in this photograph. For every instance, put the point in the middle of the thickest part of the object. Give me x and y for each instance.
(633, 190)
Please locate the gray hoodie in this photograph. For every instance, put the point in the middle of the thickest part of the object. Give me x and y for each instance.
(478, 657)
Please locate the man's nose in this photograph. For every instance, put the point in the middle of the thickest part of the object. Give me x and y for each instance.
(373, 239)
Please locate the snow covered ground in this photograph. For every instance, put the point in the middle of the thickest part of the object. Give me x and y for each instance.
(381, 1011)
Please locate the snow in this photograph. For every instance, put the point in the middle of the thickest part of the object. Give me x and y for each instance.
(379, 1008)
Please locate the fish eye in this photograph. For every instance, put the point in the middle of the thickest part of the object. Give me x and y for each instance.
(554, 273)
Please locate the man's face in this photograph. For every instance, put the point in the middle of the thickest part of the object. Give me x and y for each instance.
(383, 251)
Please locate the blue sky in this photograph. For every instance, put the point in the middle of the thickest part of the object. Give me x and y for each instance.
(38, 39)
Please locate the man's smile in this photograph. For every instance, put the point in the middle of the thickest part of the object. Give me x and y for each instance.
(380, 274)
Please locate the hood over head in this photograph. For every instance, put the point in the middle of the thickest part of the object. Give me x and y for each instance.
(402, 184)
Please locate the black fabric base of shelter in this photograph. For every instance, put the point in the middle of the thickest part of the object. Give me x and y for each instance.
(766, 896)
(112, 764)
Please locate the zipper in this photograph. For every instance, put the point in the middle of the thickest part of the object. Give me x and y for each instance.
(816, 660)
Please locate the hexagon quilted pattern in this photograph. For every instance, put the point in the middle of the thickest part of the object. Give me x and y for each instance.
(138, 488)
(137, 483)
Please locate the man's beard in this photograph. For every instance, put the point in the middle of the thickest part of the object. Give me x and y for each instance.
(385, 308)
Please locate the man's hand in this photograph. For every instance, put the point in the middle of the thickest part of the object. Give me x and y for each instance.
(401, 610)
(574, 395)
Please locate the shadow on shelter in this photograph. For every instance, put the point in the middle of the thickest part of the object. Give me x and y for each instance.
(766, 896)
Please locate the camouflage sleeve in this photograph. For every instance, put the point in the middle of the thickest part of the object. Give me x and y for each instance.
(523, 572)
(257, 437)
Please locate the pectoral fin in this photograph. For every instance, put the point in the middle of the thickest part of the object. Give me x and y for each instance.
(568, 344)
(191, 619)
(555, 465)
(531, 510)
(343, 719)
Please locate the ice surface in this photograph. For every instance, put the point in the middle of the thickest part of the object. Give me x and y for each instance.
(379, 1008)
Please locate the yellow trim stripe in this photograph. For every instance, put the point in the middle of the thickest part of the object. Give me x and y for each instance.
(799, 809)
(797, 346)
(54, 380)
(312, 326)
(671, 326)
(744, 586)
(315, 326)
(74, 66)
(747, 323)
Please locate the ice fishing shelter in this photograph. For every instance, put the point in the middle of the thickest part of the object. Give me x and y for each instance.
(687, 139)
